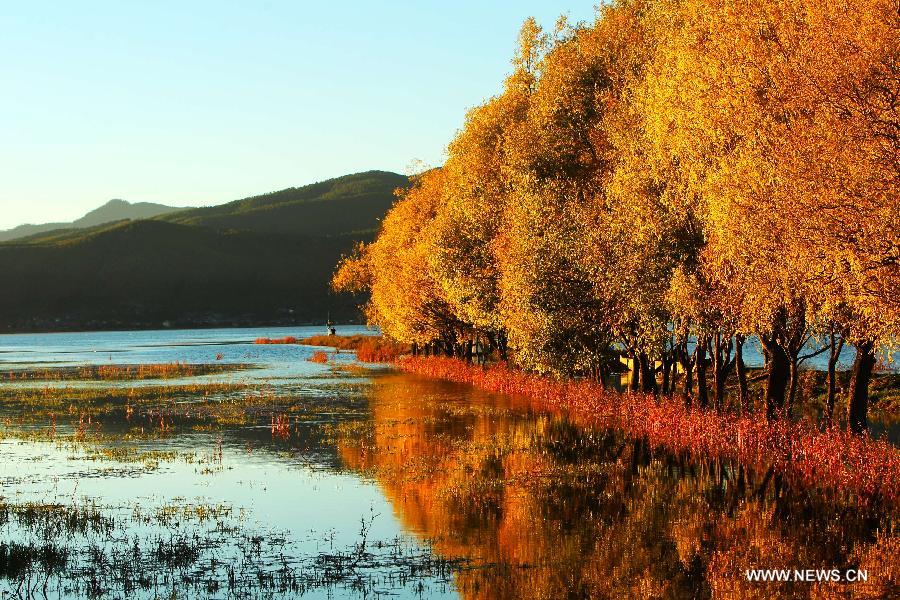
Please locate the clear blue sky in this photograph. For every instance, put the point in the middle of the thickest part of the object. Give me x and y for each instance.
(202, 102)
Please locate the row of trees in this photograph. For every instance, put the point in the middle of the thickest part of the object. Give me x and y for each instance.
(666, 182)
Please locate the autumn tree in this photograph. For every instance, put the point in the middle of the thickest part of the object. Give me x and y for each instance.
(468, 221)
(670, 181)
(777, 128)
(557, 161)
(405, 300)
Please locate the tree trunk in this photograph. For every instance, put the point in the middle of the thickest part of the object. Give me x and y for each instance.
(450, 346)
(863, 365)
(687, 363)
(635, 373)
(700, 359)
(641, 363)
(673, 382)
(836, 345)
(502, 344)
(673, 377)
(794, 384)
(667, 363)
(744, 399)
(648, 375)
(722, 365)
(795, 338)
(601, 374)
(777, 380)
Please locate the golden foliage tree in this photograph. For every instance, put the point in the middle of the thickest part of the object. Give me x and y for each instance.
(405, 300)
(468, 222)
(666, 182)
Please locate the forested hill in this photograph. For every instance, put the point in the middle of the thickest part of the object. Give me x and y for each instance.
(262, 260)
(341, 206)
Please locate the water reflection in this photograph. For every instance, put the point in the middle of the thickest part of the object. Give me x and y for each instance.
(554, 509)
(290, 458)
(198, 491)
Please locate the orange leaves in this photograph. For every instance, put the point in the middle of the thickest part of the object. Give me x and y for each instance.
(767, 113)
(405, 299)
(352, 273)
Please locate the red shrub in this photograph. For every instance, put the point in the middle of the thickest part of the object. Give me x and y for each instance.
(281, 426)
(377, 350)
(319, 357)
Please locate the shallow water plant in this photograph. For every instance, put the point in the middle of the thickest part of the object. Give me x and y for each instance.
(114, 372)
(319, 357)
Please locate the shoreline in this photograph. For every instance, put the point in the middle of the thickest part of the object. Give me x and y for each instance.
(170, 328)
(832, 460)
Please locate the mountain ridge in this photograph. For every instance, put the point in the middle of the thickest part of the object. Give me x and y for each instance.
(364, 197)
(263, 260)
(114, 210)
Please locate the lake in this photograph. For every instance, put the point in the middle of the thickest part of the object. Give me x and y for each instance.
(251, 471)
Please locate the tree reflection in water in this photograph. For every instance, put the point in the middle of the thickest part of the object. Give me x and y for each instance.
(551, 509)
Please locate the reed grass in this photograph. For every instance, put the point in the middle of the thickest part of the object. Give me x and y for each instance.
(118, 372)
(285, 340)
(368, 348)
(340, 342)
(319, 357)
(378, 351)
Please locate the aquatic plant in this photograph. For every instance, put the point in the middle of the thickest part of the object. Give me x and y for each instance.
(281, 426)
(285, 340)
(319, 357)
(341, 342)
(18, 560)
(369, 348)
(195, 549)
(117, 372)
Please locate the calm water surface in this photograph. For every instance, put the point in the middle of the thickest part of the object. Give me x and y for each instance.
(294, 478)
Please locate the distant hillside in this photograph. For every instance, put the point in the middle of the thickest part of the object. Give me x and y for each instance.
(119, 210)
(263, 260)
(346, 205)
(114, 210)
(146, 273)
(64, 235)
